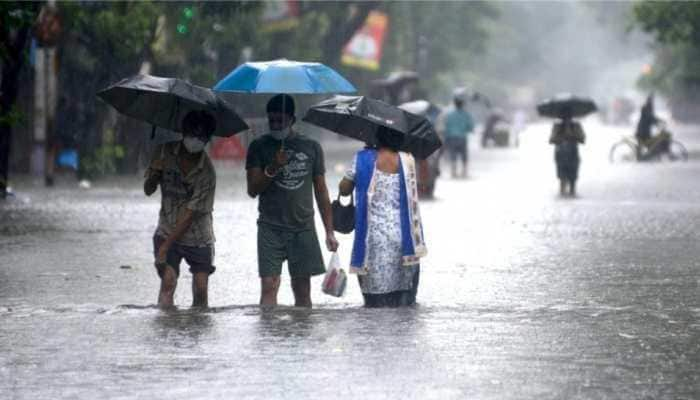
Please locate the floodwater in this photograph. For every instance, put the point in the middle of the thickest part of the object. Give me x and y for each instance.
(523, 296)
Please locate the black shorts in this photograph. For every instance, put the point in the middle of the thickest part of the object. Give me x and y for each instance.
(200, 259)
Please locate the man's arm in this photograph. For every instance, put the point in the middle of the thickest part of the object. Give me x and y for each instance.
(257, 181)
(259, 178)
(153, 175)
(151, 183)
(184, 221)
(324, 207)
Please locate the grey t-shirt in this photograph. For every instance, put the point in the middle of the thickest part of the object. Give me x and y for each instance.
(287, 203)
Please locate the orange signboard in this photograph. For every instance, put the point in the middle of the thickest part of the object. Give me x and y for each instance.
(364, 50)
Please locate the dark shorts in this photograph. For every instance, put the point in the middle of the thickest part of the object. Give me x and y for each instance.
(457, 147)
(300, 249)
(200, 259)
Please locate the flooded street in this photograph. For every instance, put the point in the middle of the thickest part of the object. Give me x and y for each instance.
(523, 295)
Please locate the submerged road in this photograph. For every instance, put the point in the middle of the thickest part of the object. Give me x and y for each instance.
(524, 295)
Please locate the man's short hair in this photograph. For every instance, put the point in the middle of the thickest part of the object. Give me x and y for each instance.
(199, 118)
(282, 103)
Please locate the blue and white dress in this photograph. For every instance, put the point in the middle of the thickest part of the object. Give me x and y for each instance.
(386, 273)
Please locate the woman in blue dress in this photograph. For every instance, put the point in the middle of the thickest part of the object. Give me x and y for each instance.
(388, 239)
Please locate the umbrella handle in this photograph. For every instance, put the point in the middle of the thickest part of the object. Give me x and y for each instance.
(153, 132)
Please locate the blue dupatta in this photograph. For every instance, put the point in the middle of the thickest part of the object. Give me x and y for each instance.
(412, 242)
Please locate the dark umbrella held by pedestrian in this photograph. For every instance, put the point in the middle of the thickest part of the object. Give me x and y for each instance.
(566, 106)
(164, 102)
(359, 117)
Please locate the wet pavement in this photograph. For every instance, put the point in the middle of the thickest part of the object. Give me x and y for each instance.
(524, 295)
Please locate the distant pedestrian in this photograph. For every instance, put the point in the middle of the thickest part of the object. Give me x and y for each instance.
(566, 136)
(388, 241)
(187, 183)
(458, 124)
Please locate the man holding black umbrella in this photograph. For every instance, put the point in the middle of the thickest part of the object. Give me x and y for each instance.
(187, 183)
(285, 170)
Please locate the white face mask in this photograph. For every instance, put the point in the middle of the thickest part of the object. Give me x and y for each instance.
(193, 144)
(280, 134)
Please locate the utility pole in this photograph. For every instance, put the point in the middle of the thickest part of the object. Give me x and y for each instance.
(48, 29)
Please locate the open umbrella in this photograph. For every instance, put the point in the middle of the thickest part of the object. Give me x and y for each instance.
(359, 117)
(284, 76)
(164, 102)
(423, 108)
(564, 105)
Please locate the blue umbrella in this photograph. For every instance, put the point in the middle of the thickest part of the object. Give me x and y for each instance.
(284, 76)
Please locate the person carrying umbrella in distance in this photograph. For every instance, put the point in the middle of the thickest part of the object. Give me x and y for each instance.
(388, 242)
(182, 170)
(566, 135)
(286, 171)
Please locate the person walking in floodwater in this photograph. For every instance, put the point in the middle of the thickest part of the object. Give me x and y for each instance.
(388, 241)
(566, 136)
(285, 170)
(458, 125)
(187, 183)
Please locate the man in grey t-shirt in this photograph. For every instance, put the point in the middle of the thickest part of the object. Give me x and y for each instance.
(285, 170)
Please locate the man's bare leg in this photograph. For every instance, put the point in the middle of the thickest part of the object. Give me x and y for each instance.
(270, 285)
(168, 283)
(200, 289)
(302, 291)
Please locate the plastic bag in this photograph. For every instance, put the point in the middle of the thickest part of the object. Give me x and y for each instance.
(335, 279)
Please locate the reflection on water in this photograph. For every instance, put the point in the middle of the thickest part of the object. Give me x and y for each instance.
(182, 328)
(285, 323)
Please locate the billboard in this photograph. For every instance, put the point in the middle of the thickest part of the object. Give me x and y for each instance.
(364, 50)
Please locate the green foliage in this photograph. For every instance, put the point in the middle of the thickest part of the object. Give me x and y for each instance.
(670, 21)
(102, 161)
(433, 40)
(114, 35)
(676, 28)
(13, 15)
(13, 117)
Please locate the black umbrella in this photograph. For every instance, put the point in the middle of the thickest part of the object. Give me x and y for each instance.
(565, 105)
(359, 117)
(164, 102)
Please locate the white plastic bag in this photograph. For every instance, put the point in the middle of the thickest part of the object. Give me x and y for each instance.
(335, 279)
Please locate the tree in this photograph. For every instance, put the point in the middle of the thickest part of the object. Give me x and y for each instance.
(435, 40)
(676, 29)
(16, 19)
(104, 42)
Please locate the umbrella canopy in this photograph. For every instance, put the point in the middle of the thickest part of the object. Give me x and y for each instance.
(284, 76)
(359, 117)
(565, 105)
(164, 102)
(418, 107)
